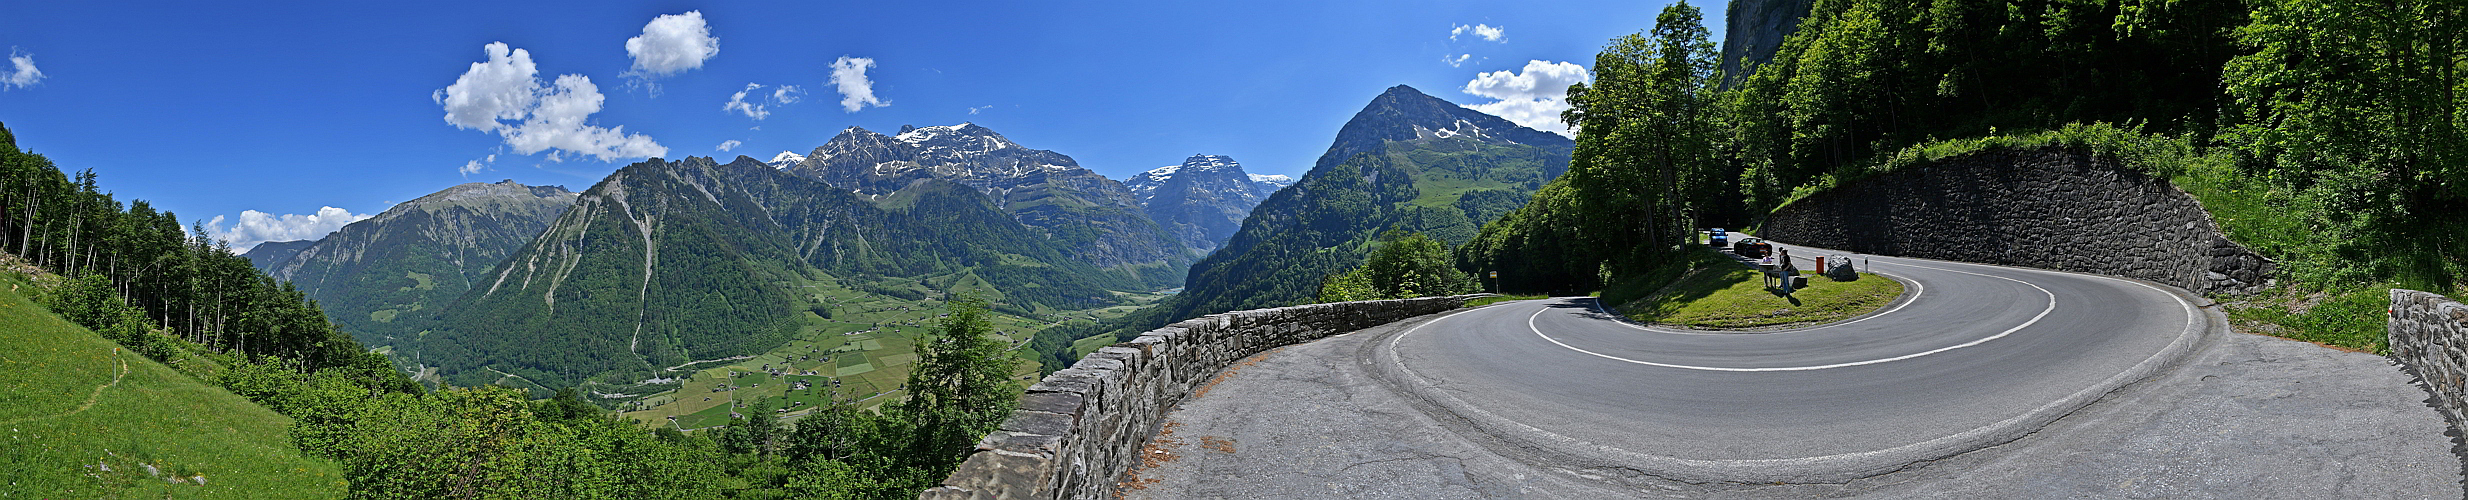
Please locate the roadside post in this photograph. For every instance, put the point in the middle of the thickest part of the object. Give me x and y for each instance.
(1495, 282)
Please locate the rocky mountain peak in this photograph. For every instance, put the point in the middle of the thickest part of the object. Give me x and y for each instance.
(785, 159)
(1211, 163)
(1404, 114)
(483, 194)
(1043, 189)
(955, 142)
(1203, 200)
(1199, 168)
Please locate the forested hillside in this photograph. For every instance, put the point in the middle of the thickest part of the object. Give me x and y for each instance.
(385, 279)
(191, 287)
(2326, 134)
(1407, 161)
(177, 315)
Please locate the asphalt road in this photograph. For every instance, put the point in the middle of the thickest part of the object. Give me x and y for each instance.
(1971, 356)
(1552, 398)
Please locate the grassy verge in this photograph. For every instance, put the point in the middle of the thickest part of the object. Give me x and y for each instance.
(1732, 297)
(86, 419)
(1503, 298)
(2351, 319)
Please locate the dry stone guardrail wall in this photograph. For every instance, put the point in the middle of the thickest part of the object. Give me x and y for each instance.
(2429, 337)
(2046, 207)
(1081, 427)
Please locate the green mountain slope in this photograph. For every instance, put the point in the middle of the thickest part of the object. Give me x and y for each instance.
(387, 277)
(1406, 161)
(664, 263)
(86, 419)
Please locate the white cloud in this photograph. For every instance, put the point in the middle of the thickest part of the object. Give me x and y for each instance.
(974, 109)
(259, 227)
(856, 91)
(504, 95)
(1533, 98)
(672, 44)
(730, 145)
(1456, 61)
(737, 104)
(21, 72)
(503, 88)
(475, 166)
(1486, 32)
(782, 96)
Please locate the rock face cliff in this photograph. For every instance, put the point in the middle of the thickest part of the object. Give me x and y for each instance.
(1753, 29)
(388, 276)
(1203, 200)
(1097, 219)
(2049, 208)
(272, 253)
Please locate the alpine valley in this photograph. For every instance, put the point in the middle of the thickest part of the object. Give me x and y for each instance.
(680, 290)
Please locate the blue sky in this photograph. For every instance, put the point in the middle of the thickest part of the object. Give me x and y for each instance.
(289, 109)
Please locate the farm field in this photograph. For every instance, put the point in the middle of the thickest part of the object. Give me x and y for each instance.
(861, 353)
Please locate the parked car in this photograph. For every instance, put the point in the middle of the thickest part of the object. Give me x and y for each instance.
(1752, 248)
(1719, 239)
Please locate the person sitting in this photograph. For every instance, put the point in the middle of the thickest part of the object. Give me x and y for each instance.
(1789, 271)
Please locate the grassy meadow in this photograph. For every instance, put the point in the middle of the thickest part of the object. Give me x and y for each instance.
(86, 419)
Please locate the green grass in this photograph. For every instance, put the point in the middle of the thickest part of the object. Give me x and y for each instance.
(868, 344)
(1732, 297)
(71, 403)
(1503, 298)
(2354, 319)
(1090, 344)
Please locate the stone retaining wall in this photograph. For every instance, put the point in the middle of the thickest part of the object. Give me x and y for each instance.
(2049, 208)
(2429, 337)
(1080, 428)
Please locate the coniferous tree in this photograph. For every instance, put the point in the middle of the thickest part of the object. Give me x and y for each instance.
(960, 389)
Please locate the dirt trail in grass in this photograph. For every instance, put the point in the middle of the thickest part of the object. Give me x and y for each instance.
(90, 399)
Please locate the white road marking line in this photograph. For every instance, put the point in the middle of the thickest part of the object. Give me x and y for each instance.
(2052, 307)
(2191, 318)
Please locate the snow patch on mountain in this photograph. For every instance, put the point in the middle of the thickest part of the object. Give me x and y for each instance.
(1144, 184)
(786, 159)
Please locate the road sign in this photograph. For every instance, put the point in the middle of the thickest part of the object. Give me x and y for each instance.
(1495, 275)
